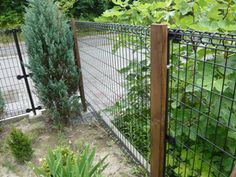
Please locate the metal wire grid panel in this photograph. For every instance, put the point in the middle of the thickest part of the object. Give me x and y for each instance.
(12, 83)
(201, 104)
(116, 70)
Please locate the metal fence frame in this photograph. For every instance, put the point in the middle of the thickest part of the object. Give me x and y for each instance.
(13, 63)
(110, 76)
(164, 46)
(208, 59)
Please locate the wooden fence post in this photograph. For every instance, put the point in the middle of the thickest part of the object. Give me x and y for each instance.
(159, 42)
(77, 58)
(233, 174)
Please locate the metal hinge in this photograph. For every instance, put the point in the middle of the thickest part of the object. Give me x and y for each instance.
(37, 108)
(171, 140)
(175, 36)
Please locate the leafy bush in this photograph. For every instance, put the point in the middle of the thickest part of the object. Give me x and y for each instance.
(12, 12)
(208, 15)
(2, 105)
(63, 162)
(88, 9)
(50, 48)
(129, 115)
(20, 145)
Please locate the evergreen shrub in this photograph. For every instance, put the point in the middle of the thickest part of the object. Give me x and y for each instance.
(49, 44)
(20, 145)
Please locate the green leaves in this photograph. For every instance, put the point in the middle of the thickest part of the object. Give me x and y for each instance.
(183, 6)
(63, 162)
(204, 15)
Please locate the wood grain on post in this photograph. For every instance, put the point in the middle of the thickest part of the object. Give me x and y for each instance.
(77, 59)
(159, 42)
(233, 174)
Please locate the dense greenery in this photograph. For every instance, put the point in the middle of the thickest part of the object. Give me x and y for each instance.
(12, 12)
(63, 162)
(89, 9)
(133, 111)
(50, 49)
(20, 145)
(2, 104)
(207, 15)
(210, 116)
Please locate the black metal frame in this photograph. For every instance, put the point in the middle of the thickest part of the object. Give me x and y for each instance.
(6, 41)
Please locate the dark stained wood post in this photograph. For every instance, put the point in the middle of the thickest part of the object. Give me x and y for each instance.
(233, 174)
(159, 42)
(77, 59)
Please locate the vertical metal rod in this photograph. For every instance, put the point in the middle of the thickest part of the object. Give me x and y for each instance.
(159, 43)
(24, 73)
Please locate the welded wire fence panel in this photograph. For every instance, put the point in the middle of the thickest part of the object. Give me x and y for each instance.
(202, 108)
(116, 71)
(13, 90)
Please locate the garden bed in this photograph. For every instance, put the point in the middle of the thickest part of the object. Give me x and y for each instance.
(75, 136)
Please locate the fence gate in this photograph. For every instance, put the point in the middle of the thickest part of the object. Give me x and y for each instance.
(16, 86)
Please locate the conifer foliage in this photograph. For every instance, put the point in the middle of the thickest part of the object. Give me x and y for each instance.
(49, 44)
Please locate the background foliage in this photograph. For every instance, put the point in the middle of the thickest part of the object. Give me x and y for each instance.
(207, 15)
(12, 12)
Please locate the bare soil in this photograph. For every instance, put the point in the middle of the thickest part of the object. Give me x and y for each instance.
(76, 136)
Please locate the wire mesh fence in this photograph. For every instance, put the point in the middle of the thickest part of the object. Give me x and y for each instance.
(115, 65)
(201, 132)
(14, 75)
(202, 110)
(115, 61)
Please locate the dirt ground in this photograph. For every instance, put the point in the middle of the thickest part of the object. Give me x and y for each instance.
(76, 136)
